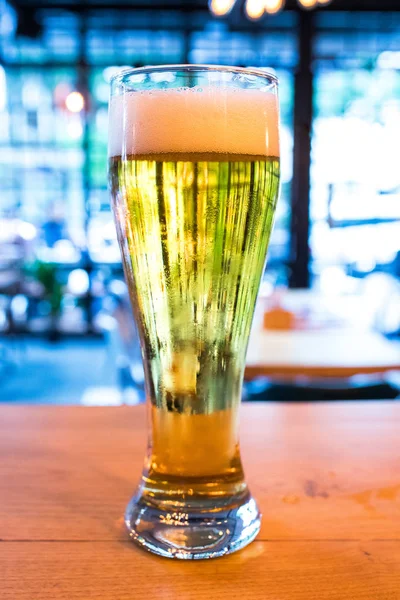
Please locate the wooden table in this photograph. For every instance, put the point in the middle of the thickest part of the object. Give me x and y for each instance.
(327, 478)
(341, 352)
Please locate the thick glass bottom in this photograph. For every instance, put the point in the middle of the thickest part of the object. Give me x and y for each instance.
(204, 531)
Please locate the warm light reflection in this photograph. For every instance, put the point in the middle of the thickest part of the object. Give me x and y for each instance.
(273, 6)
(308, 3)
(75, 102)
(255, 9)
(221, 7)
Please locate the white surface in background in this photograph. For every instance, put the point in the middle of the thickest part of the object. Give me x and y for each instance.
(109, 396)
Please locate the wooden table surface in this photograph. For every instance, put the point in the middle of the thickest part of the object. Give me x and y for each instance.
(326, 476)
(340, 352)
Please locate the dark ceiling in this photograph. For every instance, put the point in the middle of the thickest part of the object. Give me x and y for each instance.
(190, 5)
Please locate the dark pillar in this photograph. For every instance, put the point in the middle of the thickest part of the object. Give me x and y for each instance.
(300, 216)
(83, 86)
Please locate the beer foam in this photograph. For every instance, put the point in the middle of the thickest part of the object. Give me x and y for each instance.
(194, 120)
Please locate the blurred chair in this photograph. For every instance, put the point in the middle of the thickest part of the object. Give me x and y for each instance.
(123, 344)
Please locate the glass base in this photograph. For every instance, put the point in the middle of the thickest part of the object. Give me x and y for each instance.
(183, 533)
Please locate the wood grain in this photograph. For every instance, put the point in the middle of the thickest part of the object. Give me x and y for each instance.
(318, 471)
(263, 571)
(326, 476)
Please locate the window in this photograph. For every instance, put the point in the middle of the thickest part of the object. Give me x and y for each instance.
(355, 194)
(54, 89)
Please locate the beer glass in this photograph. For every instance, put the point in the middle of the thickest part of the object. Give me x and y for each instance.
(194, 179)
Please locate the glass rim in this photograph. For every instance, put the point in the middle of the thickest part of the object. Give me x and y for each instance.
(264, 74)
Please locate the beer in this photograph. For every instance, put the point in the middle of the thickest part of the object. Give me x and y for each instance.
(194, 179)
(195, 230)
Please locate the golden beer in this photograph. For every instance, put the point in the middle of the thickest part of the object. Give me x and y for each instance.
(196, 230)
(193, 227)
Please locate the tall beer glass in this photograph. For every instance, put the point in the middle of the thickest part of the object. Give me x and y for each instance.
(194, 177)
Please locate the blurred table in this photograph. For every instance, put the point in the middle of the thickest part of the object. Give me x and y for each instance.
(341, 352)
(327, 478)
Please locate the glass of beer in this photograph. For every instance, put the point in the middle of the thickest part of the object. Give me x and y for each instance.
(194, 178)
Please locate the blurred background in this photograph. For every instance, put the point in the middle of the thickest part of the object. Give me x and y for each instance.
(334, 260)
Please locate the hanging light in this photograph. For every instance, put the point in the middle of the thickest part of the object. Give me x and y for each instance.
(219, 8)
(75, 102)
(273, 6)
(255, 9)
(308, 3)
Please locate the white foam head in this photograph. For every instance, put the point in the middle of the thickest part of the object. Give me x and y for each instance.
(194, 120)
